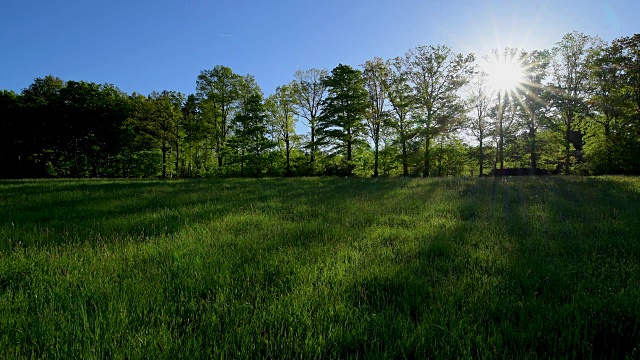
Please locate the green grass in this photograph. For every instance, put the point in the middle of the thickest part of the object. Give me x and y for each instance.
(320, 268)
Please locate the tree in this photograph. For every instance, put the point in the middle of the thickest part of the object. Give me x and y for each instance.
(218, 91)
(505, 72)
(42, 129)
(534, 98)
(402, 100)
(437, 74)
(166, 116)
(310, 92)
(178, 101)
(451, 155)
(141, 156)
(12, 138)
(281, 108)
(250, 129)
(92, 117)
(612, 143)
(508, 113)
(344, 110)
(570, 84)
(628, 49)
(195, 130)
(77, 102)
(375, 76)
(479, 101)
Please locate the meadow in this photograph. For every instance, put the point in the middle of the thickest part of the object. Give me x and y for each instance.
(525, 268)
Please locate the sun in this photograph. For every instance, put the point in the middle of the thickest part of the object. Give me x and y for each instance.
(504, 74)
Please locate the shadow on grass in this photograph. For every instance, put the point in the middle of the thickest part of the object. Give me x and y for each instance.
(543, 267)
(445, 268)
(49, 213)
(568, 274)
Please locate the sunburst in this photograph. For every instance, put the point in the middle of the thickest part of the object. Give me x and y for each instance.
(504, 73)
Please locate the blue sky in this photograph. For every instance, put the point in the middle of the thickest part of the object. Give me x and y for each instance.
(144, 45)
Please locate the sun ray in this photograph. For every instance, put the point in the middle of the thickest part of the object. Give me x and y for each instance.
(508, 75)
(504, 73)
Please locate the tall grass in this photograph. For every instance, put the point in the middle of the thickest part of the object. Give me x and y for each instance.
(320, 268)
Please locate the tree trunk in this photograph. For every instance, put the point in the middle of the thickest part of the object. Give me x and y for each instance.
(258, 155)
(607, 132)
(501, 131)
(242, 163)
(427, 157)
(177, 159)
(501, 146)
(164, 160)
(427, 143)
(567, 145)
(405, 161)
(313, 146)
(532, 139)
(481, 157)
(219, 152)
(349, 153)
(495, 161)
(221, 142)
(94, 170)
(376, 156)
(440, 157)
(288, 150)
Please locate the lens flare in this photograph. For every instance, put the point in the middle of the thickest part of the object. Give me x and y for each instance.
(504, 74)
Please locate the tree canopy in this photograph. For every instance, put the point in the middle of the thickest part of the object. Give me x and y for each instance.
(574, 108)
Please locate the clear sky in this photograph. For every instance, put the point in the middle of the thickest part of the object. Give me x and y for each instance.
(145, 45)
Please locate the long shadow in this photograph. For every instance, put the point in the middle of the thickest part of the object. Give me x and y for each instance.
(540, 266)
(565, 246)
(67, 212)
(82, 213)
(105, 213)
(528, 266)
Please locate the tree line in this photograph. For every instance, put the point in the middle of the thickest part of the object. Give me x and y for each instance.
(428, 112)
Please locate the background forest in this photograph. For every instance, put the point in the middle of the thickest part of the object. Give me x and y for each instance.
(429, 112)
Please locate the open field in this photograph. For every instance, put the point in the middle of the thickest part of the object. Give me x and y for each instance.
(320, 268)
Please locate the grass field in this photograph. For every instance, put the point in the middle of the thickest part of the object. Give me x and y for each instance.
(320, 268)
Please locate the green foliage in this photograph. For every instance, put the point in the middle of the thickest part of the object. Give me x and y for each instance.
(72, 129)
(612, 144)
(576, 105)
(437, 74)
(219, 93)
(11, 135)
(364, 162)
(310, 92)
(320, 268)
(281, 109)
(40, 127)
(628, 49)
(451, 157)
(376, 75)
(194, 129)
(612, 153)
(249, 139)
(389, 164)
(164, 122)
(570, 84)
(342, 120)
(534, 101)
(403, 103)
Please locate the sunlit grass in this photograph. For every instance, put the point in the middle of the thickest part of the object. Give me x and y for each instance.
(320, 268)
